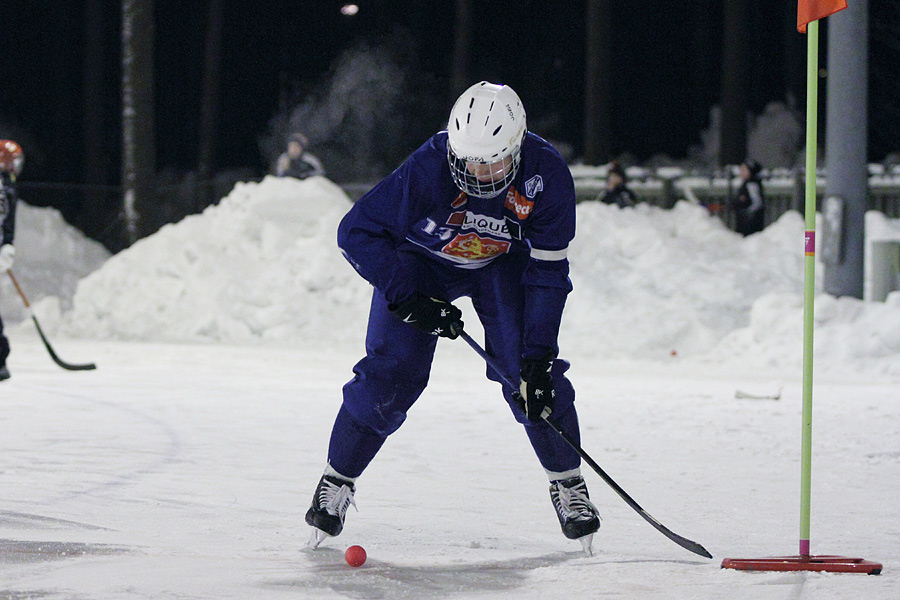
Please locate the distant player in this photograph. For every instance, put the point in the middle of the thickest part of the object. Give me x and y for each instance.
(484, 210)
(11, 161)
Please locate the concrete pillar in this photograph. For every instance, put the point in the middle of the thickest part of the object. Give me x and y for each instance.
(845, 148)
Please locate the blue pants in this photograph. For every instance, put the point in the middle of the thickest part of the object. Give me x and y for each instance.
(395, 370)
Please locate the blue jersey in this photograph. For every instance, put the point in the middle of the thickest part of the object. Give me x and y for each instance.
(418, 213)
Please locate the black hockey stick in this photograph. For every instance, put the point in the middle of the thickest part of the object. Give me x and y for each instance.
(681, 541)
(56, 359)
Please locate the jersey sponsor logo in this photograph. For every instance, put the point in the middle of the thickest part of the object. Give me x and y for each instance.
(483, 224)
(460, 200)
(518, 204)
(471, 246)
(467, 220)
(533, 186)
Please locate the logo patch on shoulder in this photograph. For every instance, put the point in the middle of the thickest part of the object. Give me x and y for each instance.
(533, 186)
(518, 204)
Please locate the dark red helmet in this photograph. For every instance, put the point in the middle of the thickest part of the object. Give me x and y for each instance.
(12, 159)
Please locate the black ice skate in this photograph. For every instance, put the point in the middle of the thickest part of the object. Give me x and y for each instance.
(4, 373)
(329, 507)
(578, 516)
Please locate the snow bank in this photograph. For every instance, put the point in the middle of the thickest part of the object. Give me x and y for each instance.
(51, 257)
(649, 281)
(262, 267)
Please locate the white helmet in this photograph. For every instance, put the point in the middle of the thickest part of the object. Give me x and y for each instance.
(485, 132)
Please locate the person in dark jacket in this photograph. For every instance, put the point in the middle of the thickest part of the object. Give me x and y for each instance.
(11, 162)
(486, 210)
(617, 191)
(750, 203)
(296, 161)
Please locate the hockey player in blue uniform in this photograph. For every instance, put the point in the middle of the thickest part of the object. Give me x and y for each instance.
(486, 210)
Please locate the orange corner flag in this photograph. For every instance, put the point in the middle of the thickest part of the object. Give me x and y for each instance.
(813, 10)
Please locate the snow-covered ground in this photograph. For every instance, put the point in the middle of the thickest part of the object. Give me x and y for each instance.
(182, 466)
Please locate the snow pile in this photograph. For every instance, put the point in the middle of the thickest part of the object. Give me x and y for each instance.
(849, 334)
(51, 257)
(649, 281)
(262, 265)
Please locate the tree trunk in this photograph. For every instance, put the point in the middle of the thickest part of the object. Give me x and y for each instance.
(93, 140)
(735, 75)
(138, 120)
(462, 42)
(64, 95)
(703, 63)
(597, 82)
(209, 102)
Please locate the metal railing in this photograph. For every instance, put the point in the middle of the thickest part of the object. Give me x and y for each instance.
(97, 209)
(784, 188)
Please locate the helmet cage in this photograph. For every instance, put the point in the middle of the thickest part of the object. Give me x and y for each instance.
(481, 178)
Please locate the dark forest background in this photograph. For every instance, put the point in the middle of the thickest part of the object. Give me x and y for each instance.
(230, 78)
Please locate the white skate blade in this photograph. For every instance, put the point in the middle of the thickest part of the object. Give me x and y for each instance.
(316, 538)
(586, 543)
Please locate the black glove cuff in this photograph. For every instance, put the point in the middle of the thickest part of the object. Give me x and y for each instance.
(535, 370)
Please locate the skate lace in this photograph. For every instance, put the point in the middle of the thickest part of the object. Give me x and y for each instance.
(574, 504)
(336, 499)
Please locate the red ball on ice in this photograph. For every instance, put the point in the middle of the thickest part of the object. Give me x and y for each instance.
(355, 556)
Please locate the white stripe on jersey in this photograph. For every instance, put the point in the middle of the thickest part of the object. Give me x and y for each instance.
(549, 254)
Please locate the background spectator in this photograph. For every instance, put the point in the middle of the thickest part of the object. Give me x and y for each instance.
(750, 203)
(617, 191)
(295, 161)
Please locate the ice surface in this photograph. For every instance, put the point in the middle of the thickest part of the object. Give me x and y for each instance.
(182, 466)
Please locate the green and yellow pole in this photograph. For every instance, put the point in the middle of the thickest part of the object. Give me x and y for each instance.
(809, 279)
(806, 562)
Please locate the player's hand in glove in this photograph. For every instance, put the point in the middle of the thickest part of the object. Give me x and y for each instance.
(7, 254)
(536, 392)
(430, 315)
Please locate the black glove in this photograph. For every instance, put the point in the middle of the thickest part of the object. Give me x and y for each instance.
(536, 393)
(430, 315)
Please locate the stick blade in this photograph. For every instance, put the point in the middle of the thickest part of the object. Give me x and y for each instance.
(688, 544)
(57, 359)
(71, 367)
